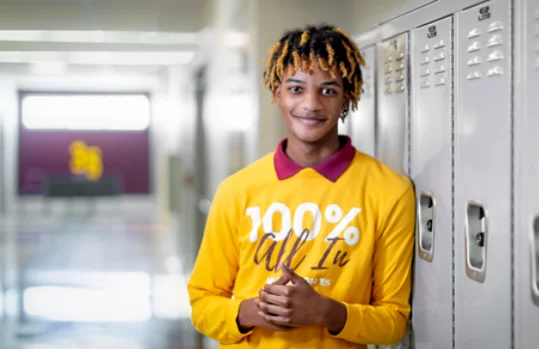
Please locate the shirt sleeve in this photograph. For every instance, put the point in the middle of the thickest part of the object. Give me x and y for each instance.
(210, 286)
(385, 320)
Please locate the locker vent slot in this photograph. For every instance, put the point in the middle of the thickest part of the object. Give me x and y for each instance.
(535, 261)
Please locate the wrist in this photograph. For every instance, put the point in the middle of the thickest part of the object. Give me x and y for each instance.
(244, 319)
(333, 315)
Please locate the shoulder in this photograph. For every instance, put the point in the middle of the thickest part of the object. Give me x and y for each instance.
(242, 181)
(386, 181)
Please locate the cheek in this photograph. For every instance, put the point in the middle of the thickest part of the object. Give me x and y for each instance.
(288, 104)
(333, 107)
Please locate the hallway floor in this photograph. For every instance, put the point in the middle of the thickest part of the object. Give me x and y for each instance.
(92, 282)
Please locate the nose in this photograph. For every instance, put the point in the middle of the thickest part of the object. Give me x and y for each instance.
(311, 102)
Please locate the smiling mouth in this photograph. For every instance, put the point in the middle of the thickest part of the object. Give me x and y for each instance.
(309, 120)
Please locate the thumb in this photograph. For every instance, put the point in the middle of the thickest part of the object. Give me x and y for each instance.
(290, 275)
(283, 280)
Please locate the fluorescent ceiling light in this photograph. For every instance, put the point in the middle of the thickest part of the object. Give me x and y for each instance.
(86, 112)
(236, 39)
(98, 58)
(101, 37)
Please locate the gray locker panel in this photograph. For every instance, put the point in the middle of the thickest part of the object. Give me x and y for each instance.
(363, 121)
(527, 186)
(431, 170)
(392, 86)
(483, 178)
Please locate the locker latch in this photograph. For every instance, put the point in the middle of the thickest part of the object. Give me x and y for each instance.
(426, 226)
(476, 235)
(535, 260)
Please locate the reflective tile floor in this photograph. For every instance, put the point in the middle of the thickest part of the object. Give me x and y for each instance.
(79, 281)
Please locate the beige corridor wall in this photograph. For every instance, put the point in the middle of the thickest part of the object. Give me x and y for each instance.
(367, 13)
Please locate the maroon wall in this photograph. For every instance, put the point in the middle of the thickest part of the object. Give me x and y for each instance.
(46, 153)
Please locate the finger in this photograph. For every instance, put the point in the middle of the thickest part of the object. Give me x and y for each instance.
(277, 319)
(273, 309)
(283, 280)
(269, 298)
(278, 290)
(291, 275)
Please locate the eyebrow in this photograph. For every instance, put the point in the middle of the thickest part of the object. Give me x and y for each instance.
(326, 83)
(295, 80)
(331, 83)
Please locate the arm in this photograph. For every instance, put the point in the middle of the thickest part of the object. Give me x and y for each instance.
(385, 320)
(210, 287)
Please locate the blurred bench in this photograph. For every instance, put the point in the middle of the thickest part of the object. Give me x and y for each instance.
(72, 187)
(75, 187)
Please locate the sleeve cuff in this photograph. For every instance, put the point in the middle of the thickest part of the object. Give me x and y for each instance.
(233, 313)
(352, 326)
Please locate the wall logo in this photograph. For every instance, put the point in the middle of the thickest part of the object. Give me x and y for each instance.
(86, 160)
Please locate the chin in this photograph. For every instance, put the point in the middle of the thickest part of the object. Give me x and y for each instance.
(309, 136)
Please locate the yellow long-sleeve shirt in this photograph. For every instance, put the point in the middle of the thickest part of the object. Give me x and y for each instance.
(347, 226)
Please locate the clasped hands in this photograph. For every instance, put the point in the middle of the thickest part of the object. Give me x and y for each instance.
(282, 307)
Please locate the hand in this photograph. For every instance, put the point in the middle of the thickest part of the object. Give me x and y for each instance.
(249, 316)
(296, 306)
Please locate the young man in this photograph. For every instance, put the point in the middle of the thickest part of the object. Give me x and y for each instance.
(310, 246)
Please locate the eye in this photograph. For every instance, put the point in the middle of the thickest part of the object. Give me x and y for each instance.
(328, 91)
(295, 89)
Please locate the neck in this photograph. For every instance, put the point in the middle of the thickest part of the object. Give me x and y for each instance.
(311, 154)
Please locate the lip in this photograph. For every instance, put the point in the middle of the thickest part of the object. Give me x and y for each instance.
(309, 120)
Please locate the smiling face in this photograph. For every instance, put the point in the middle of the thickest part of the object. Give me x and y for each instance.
(311, 104)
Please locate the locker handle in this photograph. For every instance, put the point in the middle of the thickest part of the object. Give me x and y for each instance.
(476, 240)
(535, 260)
(427, 205)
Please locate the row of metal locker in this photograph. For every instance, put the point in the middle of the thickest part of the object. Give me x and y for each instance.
(451, 98)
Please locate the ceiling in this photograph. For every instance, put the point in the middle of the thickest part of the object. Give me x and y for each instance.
(100, 32)
(106, 15)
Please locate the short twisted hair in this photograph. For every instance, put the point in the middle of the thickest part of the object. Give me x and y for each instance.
(326, 45)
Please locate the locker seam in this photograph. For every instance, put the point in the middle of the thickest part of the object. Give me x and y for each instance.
(452, 115)
(409, 106)
(409, 137)
(511, 35)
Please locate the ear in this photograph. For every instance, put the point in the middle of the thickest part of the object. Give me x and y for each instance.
(346, 102)
(278, 94)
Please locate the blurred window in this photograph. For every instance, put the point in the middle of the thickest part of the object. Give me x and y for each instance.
(86, 112)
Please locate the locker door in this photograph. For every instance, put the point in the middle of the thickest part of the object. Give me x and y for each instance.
(392, 125)
(483, 178)
(431, 170)
(527, 189)
(362, 122)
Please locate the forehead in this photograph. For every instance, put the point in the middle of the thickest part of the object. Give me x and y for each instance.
(316, 74)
